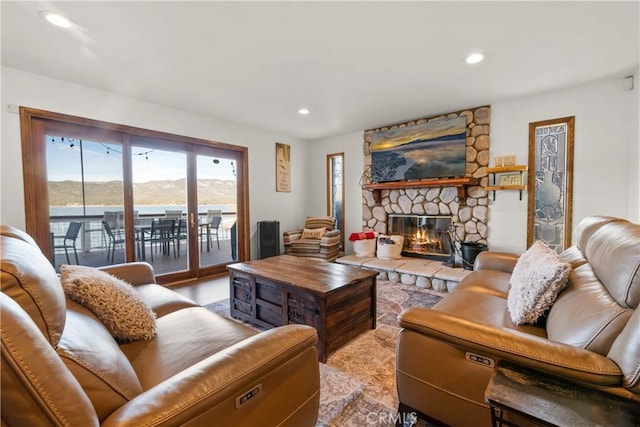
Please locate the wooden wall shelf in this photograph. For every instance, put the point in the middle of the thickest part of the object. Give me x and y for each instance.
(459, 183)
(505, 169)
(505, 187)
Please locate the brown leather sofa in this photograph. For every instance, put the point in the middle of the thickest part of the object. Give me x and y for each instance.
(591, 334)
(61, 367)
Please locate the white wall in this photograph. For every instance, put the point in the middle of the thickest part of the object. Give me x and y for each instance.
(634, 157)
(606, 163)
(351, 145)
(605, 154)
(30, 90)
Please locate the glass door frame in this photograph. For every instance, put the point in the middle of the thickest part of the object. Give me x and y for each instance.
(36, 123)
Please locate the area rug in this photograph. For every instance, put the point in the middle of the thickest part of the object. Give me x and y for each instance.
(357, 384)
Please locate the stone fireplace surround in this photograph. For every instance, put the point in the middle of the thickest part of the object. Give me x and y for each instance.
(469, 217)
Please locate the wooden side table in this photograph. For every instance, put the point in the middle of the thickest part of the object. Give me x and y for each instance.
(526, 397)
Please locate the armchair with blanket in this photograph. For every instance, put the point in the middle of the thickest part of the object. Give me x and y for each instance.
(318, 239)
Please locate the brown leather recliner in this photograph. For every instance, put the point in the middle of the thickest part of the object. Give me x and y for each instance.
(591, 334)
(61, 367)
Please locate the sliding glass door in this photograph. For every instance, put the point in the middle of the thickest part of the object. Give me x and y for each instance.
(115, 196)
(84, 183)
(160, 215)
(217, 207)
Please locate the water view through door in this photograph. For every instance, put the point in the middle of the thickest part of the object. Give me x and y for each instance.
(182, 216)
(85, 188)
(159, 183)
(217, 209)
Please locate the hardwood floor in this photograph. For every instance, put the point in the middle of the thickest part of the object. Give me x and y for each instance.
(205, 291)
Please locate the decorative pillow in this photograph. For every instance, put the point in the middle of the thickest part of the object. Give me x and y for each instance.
(313, 233)
(537, 278)
(113, 301)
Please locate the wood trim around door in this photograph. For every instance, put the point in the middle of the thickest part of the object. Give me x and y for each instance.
(32, 127)
(329, 179)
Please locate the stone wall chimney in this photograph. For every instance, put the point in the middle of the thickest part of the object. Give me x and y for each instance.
(469, 218)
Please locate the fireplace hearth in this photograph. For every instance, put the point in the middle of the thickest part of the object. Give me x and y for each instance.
(424, 236)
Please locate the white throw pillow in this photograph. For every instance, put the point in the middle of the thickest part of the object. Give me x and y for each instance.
(118, 306)
(537, 278)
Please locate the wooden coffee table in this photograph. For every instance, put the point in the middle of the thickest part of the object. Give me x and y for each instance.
(338, 300)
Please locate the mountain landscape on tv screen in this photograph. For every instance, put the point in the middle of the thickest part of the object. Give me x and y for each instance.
(431, 150)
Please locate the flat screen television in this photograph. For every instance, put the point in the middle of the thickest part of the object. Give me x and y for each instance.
(430, 150)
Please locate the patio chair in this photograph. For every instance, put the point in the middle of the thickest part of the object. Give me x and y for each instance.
(181, 234)
(212, 225)
(173, 214)
(162, 234)
(113, 241)
(111, 217)
(69, 240)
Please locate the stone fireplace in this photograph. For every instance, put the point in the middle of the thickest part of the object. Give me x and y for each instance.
(468, 214)
(425, 236)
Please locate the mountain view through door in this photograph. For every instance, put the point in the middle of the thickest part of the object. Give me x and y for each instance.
(87, 214)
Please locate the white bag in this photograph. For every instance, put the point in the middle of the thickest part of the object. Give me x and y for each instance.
(388, 250)
(365, 247)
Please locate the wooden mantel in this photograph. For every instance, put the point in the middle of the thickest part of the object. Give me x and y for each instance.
(459, 183)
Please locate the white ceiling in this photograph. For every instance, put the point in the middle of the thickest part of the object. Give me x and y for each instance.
(355, 65)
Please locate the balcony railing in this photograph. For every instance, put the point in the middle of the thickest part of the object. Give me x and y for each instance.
(92, 243)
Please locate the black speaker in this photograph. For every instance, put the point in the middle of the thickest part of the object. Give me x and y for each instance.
(268, 239)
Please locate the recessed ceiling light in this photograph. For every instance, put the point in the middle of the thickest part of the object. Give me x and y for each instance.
(474, 58)
(56, 19)
(303, 111)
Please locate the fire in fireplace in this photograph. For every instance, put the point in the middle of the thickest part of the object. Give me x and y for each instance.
(424, 236)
